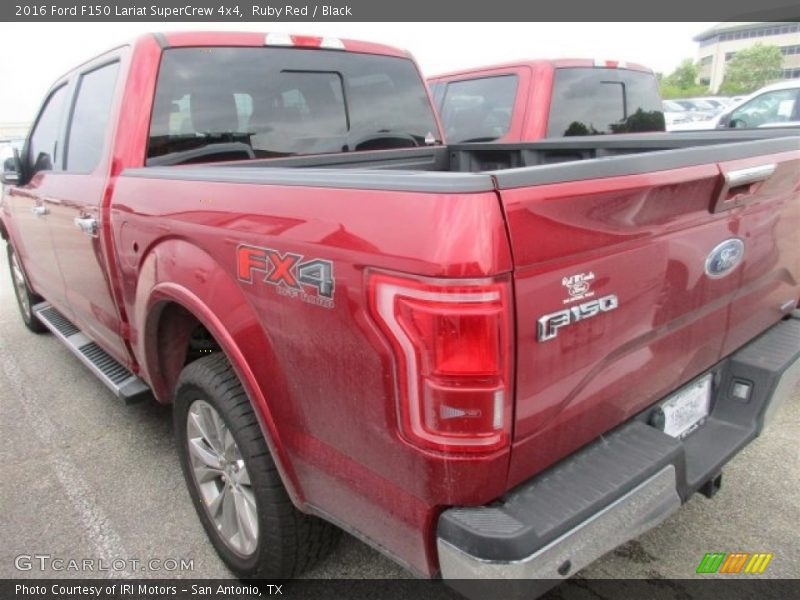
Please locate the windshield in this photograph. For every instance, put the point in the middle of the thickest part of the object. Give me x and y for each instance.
(592, 101)
(687, 104)
(216, 104)
(673, 106)
(703, 104)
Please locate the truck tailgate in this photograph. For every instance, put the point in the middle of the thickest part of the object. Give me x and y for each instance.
(650, 271)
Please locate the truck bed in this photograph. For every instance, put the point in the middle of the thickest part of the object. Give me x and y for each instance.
(637, 216)
(483, 161)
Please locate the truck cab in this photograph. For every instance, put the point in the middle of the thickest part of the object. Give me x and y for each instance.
(537, 99)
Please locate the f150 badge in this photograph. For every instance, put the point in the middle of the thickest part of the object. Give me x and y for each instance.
(578, 288)
(290, 273)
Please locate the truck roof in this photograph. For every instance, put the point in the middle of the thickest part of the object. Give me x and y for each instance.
(182, 39)
(186, 39)
(553, 62)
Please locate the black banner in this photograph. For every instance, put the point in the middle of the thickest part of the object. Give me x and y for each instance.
(733, 588)
(395, 10)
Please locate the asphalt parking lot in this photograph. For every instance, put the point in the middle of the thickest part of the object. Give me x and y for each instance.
(86, 477)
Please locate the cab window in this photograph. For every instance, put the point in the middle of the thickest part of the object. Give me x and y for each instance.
(44, 144)
(478, 110)
(89, 123)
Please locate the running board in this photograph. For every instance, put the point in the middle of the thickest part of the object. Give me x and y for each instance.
(116, 377)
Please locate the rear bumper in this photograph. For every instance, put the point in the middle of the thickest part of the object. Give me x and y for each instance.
(629, 481)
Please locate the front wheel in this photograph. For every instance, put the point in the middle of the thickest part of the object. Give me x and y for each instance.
(25, 298)
(233, 482)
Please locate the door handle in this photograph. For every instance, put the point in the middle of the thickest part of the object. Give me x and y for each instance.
(39, 210)
(87, 225)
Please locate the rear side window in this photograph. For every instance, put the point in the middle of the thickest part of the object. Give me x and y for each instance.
(214, 104)
(437, 91)
(43, 145)
(592, 101)
(87, 130)
(478, 110)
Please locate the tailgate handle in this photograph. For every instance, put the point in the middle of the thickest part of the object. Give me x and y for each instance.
(740, 184)
(749, 175)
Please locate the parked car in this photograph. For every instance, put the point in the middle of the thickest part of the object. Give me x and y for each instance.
(7, 148)
(487, 360)
(532, 100)
(675, 114)
(717, 103)
(774, 105)
(698, 109)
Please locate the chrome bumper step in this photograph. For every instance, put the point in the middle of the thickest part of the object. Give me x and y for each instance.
(125, 385)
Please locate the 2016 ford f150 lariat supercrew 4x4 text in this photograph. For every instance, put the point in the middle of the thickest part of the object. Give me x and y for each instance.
(486, 360)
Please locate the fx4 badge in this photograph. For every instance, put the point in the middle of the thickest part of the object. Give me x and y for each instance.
(290, 273)
(548, 325)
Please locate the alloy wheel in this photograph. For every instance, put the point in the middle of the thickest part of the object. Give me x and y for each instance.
(221, 477)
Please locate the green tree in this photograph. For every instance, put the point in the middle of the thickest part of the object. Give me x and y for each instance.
(684, 76)
(681, 83)
(751, 69)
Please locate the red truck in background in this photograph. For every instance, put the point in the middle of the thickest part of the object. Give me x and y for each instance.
(537, 99)
(486, 360)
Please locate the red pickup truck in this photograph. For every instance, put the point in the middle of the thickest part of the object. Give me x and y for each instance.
(536, 99)
(486, 360)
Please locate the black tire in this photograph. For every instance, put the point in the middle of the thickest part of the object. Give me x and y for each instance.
(26, 299)
(288, 540)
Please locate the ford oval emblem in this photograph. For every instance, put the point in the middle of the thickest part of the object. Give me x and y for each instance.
(724, 258)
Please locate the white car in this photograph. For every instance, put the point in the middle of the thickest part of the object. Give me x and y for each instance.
(7, 148)
(775, 105)
(674, 114)
(699, 110)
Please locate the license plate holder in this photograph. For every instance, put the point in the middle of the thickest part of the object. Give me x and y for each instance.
(687, 408)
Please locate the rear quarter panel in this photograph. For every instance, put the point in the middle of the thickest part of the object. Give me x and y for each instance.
(325, 373)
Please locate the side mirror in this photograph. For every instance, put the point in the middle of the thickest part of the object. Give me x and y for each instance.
(724, 121)
(11, 174)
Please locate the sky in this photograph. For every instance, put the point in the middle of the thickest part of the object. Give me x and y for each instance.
(36, 54)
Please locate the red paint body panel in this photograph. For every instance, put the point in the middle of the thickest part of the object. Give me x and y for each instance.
(645, 237)
(323, 379)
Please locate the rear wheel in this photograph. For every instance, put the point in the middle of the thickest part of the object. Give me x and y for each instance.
(25, 298)
(234, 484)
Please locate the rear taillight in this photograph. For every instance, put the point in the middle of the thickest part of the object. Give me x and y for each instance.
(452, 343)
